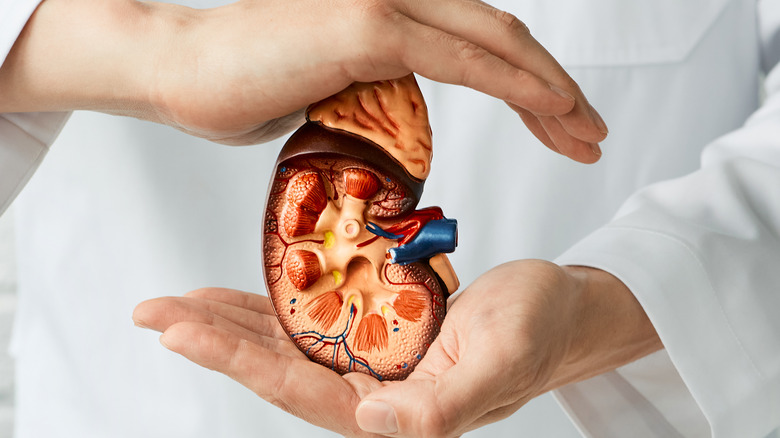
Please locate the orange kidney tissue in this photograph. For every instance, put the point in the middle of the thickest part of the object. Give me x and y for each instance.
(357, 276)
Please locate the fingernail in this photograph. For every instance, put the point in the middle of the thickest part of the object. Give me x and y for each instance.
(561, 92)
(376, 417)
(595, 148)
(598, 121)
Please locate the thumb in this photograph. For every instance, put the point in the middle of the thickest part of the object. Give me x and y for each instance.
(432, 406)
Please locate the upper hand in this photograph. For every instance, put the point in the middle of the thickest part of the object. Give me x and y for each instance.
(293, 53)
(242, 73)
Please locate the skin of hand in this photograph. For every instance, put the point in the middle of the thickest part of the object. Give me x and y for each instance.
(520, 330)
(244, 72)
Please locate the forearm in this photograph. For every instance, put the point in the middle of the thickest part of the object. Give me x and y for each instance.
(86, 54)
(610, 328)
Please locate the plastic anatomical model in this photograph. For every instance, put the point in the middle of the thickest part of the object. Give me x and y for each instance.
(357, 276)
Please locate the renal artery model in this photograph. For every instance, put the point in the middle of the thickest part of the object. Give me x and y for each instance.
(356, 275)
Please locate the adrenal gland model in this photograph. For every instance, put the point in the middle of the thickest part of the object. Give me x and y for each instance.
(358, 278)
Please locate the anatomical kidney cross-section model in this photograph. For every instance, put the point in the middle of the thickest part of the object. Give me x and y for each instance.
(357, 276)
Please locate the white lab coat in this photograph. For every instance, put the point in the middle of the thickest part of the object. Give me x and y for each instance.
(123, 210)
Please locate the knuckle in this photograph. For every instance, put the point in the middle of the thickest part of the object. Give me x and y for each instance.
(376, 24)
(373, 10)
(467, 51)
(362, 18)
(571, 86)
(519, 95)
(525, 77)
(510, 22)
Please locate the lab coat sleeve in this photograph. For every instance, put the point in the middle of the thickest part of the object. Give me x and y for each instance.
(702, 255)
(24, 137)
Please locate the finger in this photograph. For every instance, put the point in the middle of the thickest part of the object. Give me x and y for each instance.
(303, 388)
(535, 126)
(451, 59)
(161, 313)
(444, 405)
(246, 300)
(573, 148)
(508, 38)
(576, 124)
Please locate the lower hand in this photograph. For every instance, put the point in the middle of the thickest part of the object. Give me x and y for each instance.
(520, 330)
(500, 345)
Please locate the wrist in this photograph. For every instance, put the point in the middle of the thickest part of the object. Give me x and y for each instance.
(173, 62)
(100, 55)
(609, 327)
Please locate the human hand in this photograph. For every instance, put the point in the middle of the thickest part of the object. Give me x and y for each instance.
(237, 333)
(520, 330)
(242, 73)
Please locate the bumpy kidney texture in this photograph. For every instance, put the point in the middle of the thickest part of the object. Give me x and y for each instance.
(339, 200)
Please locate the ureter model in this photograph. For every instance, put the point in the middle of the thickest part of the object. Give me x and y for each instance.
(358, 278)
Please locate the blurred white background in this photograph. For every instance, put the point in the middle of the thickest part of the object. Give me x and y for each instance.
(7, 305)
